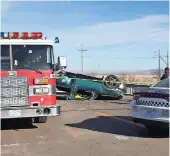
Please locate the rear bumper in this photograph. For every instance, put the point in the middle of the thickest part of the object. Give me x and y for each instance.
(150, 114)
(19, 112)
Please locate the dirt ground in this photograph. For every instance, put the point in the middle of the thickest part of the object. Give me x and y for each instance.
(87, 128)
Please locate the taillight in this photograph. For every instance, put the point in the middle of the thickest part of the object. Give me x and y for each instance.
(136, 96)
(41, 81)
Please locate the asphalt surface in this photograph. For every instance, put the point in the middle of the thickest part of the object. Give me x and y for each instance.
(87, 128)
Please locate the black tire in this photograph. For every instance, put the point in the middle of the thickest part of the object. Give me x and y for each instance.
(109, 85)
(42, 119)
(119, 98)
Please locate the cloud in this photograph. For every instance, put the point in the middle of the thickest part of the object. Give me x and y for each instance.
(115, 33)
(5, 5)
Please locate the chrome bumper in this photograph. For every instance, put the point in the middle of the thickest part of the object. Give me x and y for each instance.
(24, 112)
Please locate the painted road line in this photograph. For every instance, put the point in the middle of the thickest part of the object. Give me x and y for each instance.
(103, 114)
(121, 137)
(77, 133)
(10, 145)
(14, 145)
(109, 115)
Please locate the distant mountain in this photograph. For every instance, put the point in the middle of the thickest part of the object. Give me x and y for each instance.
(140, 72)
(143, 72)
(137, 72)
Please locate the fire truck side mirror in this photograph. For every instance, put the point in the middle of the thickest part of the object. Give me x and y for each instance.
(62, 62)
(57, 40)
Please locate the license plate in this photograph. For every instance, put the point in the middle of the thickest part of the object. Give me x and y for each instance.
(14, 113)
(149, 112)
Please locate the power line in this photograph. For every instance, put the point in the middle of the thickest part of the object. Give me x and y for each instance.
(167, 57)
(131, 57)
(128, 43)
(123, 44)
(138, 57)
(119, 44)
(158, 31)
(159, 64)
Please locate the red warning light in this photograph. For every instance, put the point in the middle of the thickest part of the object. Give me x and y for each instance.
(22, 35)
(36, 35)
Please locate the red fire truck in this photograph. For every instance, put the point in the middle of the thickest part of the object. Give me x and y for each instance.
(28, 82)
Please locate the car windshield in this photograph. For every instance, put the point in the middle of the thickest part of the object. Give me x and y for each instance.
(163, 84)
(33, 56)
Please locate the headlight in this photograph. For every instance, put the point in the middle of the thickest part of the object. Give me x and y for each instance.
(45, 90)
(121, 86)
(40, 91)
(37, 90)
(41, 81)
(63, 80)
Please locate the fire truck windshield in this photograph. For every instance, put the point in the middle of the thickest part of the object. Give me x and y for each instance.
(38, 57)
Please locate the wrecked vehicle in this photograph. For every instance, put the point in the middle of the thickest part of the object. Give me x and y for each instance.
(79, 86)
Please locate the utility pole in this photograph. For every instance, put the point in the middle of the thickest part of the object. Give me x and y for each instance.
(159, 64)
(167, 58)
(98, 68)
(82, 50)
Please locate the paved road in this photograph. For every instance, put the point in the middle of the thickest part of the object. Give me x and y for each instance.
(87, 128)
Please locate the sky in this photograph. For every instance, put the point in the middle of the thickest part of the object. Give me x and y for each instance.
(118, 36)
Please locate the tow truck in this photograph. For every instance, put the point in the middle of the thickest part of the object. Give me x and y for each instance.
(28, 81)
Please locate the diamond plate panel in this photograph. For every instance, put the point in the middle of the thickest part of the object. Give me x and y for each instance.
(14, 82)
(13, 101)
(14, 91)
(10, 92)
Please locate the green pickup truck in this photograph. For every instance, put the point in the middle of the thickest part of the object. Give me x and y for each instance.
(79, 86)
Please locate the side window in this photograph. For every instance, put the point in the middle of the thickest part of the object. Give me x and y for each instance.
(164, 83)
(5, 59)
(52, 55)
(48, 55)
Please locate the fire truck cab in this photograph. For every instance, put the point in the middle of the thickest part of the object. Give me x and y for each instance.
(28, 81)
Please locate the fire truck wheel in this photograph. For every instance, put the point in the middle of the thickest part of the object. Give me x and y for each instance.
(42, 119)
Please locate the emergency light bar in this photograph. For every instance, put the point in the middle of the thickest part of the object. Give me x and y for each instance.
(22, 35)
